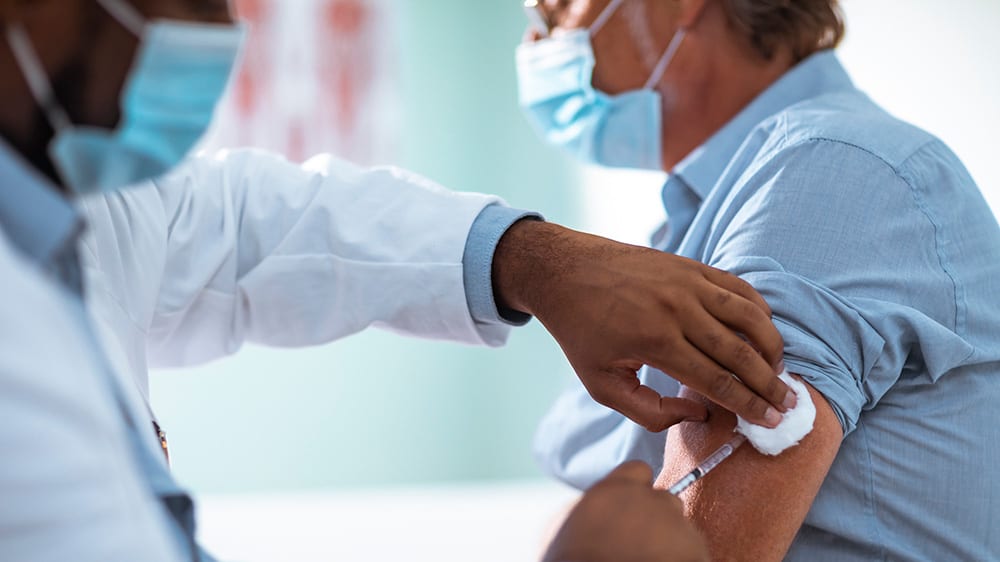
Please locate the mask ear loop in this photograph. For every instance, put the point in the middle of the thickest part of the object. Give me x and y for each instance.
(604, 16)
(126, 14)
(668, 55)
(34, 74)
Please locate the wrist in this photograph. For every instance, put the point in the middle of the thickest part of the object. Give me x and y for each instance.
(523, 264)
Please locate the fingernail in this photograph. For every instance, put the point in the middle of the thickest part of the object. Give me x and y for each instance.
(781, 366)
(791, 400)
(772, 417)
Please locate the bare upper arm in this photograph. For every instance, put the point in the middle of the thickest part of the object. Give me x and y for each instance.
(751, 506)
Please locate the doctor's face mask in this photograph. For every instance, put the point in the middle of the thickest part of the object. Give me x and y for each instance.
(555, 89)
(180, 72)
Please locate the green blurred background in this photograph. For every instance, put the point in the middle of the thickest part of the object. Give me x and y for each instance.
(378, 408)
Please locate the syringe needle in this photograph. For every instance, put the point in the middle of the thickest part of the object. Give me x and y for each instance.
(706, 466)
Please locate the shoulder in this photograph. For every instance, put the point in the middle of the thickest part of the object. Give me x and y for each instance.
(840, 157)
(842, 149)
(848, 122)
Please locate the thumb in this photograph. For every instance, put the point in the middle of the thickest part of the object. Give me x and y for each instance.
(621, 389)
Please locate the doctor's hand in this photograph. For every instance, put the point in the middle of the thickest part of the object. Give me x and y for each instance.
(614, 307)
(622, 518)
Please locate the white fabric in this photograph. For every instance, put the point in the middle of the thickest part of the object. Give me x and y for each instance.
(795, 423)
(241, 247)
(69, 486)
(247, 247)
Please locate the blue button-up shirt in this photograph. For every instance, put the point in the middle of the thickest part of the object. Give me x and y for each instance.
(881, 262)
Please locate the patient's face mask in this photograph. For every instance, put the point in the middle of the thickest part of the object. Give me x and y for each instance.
(180, 72)
(555, 77)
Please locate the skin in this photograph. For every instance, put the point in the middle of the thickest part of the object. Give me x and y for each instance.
(642, 306)
(612, 307)
(86, 54)
(752, 505)
(623, 519)
(748, 508)
(692, 339)
(667, 312)
(715, 73)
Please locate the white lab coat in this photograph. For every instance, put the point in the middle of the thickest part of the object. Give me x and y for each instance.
(240, 247)
(247, 247)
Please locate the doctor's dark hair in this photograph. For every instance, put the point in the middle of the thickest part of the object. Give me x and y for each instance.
(803, 26)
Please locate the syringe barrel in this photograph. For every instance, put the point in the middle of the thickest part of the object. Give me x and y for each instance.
(721, 454)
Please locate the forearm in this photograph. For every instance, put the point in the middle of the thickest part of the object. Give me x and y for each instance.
(750, 507)
(615, 307)
(546, 269)
(529, 258)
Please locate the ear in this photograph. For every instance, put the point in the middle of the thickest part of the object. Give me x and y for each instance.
(689, 11)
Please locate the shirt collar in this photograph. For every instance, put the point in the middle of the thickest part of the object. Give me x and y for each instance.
(818, 74)
(35, 217)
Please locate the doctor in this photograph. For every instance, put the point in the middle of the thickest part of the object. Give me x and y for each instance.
(100, 283)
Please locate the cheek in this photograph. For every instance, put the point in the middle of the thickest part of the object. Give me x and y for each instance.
(617, 67)
(101, 77)
(52, 19)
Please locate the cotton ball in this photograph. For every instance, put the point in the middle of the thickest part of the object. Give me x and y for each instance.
(795, 423)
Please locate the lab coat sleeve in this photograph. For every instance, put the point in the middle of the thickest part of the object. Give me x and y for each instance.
(69, 487)
(261, 250)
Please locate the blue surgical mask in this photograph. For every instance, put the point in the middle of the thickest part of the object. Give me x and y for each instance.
(557, 95)
(180, 72)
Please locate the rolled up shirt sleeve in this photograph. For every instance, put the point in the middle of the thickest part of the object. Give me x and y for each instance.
(477, 262)
(827, 232)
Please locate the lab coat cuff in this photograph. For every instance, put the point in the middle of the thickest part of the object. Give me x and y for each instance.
(477, 262)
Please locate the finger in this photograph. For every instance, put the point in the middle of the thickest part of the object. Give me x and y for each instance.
(694, 369)
(738, 357)
(734, 284)
(745, 317)
(748, 312)
(622, 391)
(632, 471)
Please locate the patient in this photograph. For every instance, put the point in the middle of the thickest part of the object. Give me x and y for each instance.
(879, 258)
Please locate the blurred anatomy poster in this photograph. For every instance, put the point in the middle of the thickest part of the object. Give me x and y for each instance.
(316, 76)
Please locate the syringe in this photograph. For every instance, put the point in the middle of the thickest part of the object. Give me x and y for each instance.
(706, 466)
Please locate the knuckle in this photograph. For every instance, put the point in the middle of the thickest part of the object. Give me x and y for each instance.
(713, 340)
(743, 354)
(723, 297)
(754, 312)
(656, 339)
(693, 367)
(672, 300)
(723, 386)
